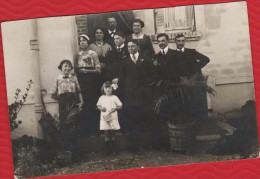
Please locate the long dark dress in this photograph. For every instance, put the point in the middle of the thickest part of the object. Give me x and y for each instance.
(90, 83)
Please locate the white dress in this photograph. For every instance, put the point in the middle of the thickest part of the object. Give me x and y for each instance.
(109, 102)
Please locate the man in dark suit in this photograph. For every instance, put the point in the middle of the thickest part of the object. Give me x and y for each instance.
(166, 68)
(165, 60)
(115, 58)
(134, 78)
(111, 30)
(189, 63)
(177, 65)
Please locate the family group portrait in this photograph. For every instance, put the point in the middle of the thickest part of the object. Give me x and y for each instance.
(130, 89)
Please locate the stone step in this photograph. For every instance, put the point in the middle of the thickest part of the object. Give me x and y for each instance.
(208, 137)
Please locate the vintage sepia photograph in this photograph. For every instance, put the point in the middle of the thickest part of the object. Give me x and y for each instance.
(130, 89)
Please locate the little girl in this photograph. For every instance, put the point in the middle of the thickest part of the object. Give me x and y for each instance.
(68, 94)
(108, 104)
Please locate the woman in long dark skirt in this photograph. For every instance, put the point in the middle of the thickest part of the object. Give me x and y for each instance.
(88, 71)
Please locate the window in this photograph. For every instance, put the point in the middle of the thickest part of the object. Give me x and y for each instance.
(176, 20)
(179, 18)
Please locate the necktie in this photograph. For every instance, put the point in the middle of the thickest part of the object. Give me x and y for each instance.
(134, 58)
(118, 49)
(163, 56)
(66, 77)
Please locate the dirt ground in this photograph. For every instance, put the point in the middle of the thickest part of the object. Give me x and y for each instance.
(97, 162)
(236, 144)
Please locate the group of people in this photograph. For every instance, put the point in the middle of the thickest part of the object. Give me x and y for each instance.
(111, 90)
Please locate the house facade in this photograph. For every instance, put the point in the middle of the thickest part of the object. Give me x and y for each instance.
(220, 31)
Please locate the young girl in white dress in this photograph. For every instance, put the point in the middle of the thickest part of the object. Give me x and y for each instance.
(108, 104)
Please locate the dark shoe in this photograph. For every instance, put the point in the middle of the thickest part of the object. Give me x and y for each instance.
(108, 148)
(114, 149)
(137, 150)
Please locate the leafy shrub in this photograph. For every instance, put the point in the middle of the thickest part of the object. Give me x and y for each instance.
(31, 156)
(16, 106)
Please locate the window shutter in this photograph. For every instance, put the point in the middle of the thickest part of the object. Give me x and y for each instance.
(159, 20)
(136, 14)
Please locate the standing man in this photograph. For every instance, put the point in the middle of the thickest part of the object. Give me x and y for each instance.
(115, 58)
(182, 62)
(134, 78)
(165, 60)
(166, 68)
(189, 61)
(111, 30)
(189, 65)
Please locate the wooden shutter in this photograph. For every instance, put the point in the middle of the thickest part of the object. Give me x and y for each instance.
(159, 19)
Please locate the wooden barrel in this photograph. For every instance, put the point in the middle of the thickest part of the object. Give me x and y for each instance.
(181, 136)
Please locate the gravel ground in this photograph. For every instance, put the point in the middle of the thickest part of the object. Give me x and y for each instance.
(97, 162)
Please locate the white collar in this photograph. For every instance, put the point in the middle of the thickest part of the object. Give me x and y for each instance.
(181, 49)
(136, 56)
(122, 46)
(110, 31)
(100, 45)
(140, 36)
(165, 50)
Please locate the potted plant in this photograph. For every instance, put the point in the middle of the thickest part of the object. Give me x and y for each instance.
(181, 103)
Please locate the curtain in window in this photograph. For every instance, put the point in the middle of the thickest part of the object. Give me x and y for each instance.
(179, 18)
(127, 17)
(94, 21)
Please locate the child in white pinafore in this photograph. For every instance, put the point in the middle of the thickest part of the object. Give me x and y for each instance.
(108, 104)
